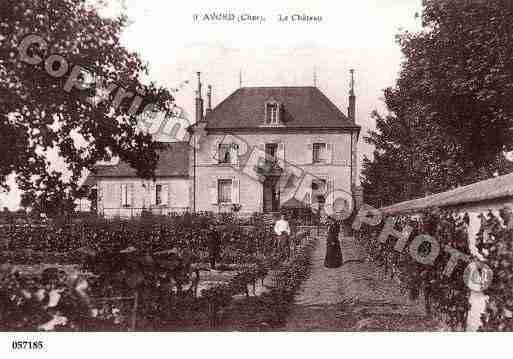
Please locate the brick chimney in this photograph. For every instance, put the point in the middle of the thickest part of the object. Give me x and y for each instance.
(209, 100)
(351, 109)
(199, 100)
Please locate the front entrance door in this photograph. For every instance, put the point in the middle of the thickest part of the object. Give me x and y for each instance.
(271, 194)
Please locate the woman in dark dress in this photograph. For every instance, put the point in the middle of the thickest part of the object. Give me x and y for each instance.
(214, 245)
(333, 253)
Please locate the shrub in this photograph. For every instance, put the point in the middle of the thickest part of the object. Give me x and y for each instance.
(446, 297)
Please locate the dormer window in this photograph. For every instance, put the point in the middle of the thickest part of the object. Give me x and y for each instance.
(272, 113)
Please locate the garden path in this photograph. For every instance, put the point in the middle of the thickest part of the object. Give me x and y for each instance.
(358, 296)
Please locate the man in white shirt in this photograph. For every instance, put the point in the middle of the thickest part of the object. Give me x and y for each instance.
(282, 230)
(282, 226)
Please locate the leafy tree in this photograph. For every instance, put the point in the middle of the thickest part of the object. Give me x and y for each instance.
(80, 121)
(5, 215)
(451, 114)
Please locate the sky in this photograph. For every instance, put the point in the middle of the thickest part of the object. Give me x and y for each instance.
(357, 35)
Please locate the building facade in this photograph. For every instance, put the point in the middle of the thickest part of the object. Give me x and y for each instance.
(256, 151)
(120, 193)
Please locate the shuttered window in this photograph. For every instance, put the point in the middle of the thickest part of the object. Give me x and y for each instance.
(225, 191)
(224, 153)
(228, 153)
(271, 150)
(126, 195)
(271, 114)
(161, 194)
(158, 194)
(320, 153)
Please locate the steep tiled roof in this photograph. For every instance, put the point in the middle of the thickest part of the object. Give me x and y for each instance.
(173, 162)
(302, 107)
(490, 189)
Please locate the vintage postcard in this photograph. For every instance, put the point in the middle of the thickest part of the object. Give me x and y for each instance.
(230, 166)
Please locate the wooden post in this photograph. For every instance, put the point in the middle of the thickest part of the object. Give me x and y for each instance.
(213, 314)
(134, 311)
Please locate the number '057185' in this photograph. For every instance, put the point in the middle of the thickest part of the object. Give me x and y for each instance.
(27, 345)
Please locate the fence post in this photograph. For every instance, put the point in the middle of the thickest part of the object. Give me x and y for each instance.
(134, 311)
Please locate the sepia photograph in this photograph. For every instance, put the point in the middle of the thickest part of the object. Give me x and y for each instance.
(284, 167)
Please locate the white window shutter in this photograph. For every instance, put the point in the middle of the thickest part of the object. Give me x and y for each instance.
(329, 191)
(99, 192)
(330, 149)
(234, 153)
(213, 192)
(235, 190)
(309, 148)
(99, 199)
(153, 194)
(165, 194)
(261, 152)
(120, 195)
(215, 151)
(281, 153)
(131, 195)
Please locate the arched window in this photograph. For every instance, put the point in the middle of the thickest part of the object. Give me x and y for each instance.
(272, 113)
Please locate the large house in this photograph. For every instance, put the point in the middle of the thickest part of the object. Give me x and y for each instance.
(260, 148)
